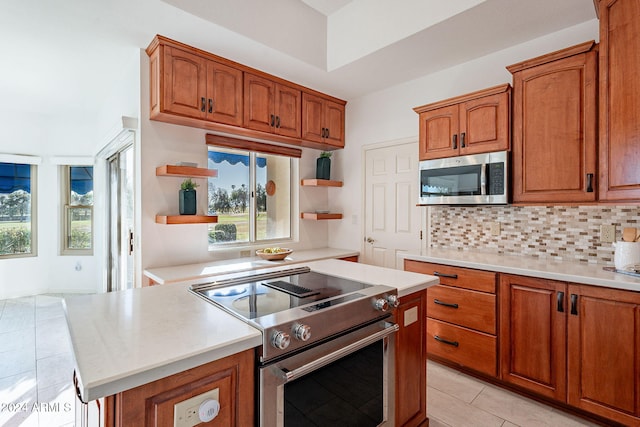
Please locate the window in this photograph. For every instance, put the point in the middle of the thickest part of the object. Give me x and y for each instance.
(251, 196)
(78, 210)
(17, 225)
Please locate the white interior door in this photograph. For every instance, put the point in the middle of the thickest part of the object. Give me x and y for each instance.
(392, 218)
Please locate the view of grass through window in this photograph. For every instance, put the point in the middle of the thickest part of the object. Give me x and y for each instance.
(15, 209)
(80, 208)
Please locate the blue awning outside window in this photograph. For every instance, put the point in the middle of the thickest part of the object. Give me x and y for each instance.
(81, 179)
(233, 159)
(14, 177)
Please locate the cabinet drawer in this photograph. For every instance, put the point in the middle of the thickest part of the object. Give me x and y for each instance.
(460, 277)
(474, 350)
(472, 309)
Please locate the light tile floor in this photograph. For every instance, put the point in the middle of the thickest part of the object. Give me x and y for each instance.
(36, 366)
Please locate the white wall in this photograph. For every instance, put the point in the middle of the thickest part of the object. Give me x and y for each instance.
(41, 135)
(388, 115)
(166, 245)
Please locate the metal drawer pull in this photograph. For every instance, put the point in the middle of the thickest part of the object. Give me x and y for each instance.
(443, 341)
(574, 304)
(561, 302)
(450, 276)
(454, 142)
(446, 304)
(589, 183)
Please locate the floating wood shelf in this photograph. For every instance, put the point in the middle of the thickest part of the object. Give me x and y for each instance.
(186, 171)
(319, 216)
(186, 219)
(321, 183)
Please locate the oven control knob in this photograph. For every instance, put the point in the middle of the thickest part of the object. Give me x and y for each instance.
(280, 340)
(381, 304)
(302, 332)
(393, 301)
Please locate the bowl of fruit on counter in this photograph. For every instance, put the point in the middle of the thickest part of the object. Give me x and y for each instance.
(274, 254)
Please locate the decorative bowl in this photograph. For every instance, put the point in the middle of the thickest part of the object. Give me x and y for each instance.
(274, 256)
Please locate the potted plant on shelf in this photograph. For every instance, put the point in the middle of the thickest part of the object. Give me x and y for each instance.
(323, 165)
(188, 197)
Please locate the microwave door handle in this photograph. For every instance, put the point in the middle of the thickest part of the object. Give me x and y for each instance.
(483, 179)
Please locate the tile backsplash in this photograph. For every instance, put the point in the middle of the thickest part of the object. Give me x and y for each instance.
(570, 233)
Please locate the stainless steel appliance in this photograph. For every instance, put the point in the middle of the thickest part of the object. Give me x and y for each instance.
(479, 179)
(327, 355)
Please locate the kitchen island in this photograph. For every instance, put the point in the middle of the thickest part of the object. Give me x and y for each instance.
(126, 339)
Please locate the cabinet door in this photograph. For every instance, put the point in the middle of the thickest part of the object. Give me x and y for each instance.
(224, 94)
(439, 133)
(554, 131)
(259, 103)
(532, 334)
(334, 123)
(603, 352)
(484, 124)
(619, 99)
(185, 86)
(411, 361)
(287, 110)
(312, 118)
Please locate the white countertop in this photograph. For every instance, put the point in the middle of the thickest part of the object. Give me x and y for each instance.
(576, 272)
(122, 340)
(202, 272)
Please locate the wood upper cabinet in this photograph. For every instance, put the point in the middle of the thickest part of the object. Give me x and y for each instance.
(271, 107)
(532, 337)
(469, 124)
(188, 84)
(603, 352)
(619, 100)
(411, 361)
(554, 126)
(323, 120)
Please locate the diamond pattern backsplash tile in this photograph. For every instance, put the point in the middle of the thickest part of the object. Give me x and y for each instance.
(569, 233)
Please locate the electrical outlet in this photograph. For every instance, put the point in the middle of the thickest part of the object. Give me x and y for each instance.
(495, 228)
(607, 233)
(186, 413)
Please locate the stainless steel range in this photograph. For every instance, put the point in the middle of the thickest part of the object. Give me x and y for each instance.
(323, 336)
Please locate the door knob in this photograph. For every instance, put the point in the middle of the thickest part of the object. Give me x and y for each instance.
(370, 240)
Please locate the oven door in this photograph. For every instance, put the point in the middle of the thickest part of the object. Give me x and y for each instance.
(349, 380)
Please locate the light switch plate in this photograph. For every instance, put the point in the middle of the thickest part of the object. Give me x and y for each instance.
(495, 228)
(185, 413)
(607, 233)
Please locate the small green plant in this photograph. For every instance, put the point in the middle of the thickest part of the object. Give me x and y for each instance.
(188, 184)
(326, 154)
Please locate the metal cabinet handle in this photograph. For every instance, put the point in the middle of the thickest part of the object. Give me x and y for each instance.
(328, 133)
(589, 183)
(560, 301)
(203, 104)
(443, 341)
(454, 142)
(449, 276)
(446, 304)
(278, 121)
(462, 144)
(574, 304)
(210, 105)
(273, 120)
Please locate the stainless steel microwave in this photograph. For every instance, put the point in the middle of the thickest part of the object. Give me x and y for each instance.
(478, 179)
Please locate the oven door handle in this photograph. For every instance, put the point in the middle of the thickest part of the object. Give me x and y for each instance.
(332, 357)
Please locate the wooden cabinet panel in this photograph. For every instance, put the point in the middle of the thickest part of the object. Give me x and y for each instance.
(258, 103)
(224, 94)
(152, 404)
(334, 122)
(411, 361)
(323, 120)
(603, 358)
(471, 309)
(483, 281)
(288, 111)
(474, 123)
(468, 348)
(533, 334)
(312, 120)
(554, 126)
(185, 83)
(619, 99)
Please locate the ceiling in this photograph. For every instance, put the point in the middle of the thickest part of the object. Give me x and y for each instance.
(64, 57)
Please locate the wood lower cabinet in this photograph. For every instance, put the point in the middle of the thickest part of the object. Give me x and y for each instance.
(533, 334)
(603, 357)
(152, 404)
(461, 316)
(323, 120)
(555, 126)
(619, 122)
(271, 107)
(470, 124)
(411, 361)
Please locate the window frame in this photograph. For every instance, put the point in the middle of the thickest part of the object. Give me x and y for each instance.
(253, 242)
(33, 171)
(65, 228)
